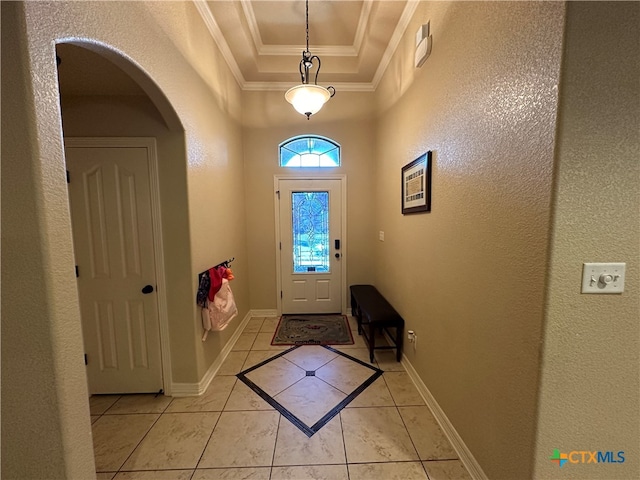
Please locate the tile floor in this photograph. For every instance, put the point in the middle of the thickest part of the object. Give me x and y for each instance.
(387, 432)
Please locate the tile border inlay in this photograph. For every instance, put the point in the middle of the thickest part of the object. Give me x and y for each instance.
(309, 431)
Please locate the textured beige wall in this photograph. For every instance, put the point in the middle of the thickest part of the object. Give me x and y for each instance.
(168, 41)
(42, 384)
(208, 101)
(469, 277)
(347, 119)
(590, 396)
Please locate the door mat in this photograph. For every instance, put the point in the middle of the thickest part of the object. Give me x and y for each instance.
(313, 330)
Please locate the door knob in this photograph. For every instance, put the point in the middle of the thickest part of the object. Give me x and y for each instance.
(147, 289)
(337, 255)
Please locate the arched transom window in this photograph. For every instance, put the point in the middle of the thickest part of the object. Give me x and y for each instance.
(309, 151)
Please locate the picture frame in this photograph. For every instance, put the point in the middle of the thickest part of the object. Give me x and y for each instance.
(416, 185)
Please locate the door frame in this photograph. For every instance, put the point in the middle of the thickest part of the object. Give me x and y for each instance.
(343, 234)
(149, 143)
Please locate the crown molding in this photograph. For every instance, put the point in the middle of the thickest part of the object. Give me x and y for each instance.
(284, 86)
(294, 50)
(216, 33)
(403, 23)
(250, 16)
(362, 24)
(218, 37)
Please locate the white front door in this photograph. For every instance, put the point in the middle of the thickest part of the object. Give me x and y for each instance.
(310, 217)
(110, 200)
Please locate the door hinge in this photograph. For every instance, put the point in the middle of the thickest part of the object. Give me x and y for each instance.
(280, 245)
(77, 272)
(68, 177)
(280, 293)
(278, 193)
(86, 359)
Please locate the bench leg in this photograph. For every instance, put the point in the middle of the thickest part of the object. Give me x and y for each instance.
(372, 340)
(355, 312)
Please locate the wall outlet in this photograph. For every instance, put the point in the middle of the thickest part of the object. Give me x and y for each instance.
(413, 338)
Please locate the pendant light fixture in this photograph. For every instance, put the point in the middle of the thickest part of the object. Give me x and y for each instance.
(308, 98)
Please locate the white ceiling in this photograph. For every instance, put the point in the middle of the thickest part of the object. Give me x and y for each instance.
(262, 42)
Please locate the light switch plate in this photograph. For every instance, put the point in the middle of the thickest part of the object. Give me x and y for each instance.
(603, 277)
(381, 236)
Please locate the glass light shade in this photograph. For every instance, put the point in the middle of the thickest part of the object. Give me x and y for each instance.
(307, 99)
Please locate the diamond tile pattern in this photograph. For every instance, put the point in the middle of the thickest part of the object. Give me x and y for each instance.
(276, 376)
(329, 424)
(312, 357)
(310, 401)
(344, 373)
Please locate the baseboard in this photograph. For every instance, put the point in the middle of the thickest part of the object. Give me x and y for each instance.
(185, 389)
(465, 455)
(264, 313)
(195, 389)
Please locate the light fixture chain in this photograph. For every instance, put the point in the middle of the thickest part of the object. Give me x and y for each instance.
(308, 99)
(307, 20)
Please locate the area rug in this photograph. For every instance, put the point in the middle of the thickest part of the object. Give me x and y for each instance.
(313, 330)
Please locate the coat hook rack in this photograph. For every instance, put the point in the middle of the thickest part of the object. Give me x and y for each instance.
(204, 282)
(225, 263)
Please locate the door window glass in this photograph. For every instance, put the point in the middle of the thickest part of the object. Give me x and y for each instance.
(310, 221)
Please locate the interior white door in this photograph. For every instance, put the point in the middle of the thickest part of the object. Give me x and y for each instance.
(311, 245)
(110, 200)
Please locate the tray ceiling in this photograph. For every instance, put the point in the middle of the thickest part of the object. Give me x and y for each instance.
(263, 40)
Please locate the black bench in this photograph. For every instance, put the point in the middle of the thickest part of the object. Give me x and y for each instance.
(372, 310)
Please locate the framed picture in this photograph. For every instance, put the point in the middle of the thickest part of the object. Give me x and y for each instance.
(416, 185)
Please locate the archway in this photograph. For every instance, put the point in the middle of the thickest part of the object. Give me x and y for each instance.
(103, 93)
